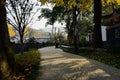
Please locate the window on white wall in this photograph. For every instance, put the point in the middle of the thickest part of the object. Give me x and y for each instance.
(117, 33)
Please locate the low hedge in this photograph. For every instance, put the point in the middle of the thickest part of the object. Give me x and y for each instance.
(27, 61)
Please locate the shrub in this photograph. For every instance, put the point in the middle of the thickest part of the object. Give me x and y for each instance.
(31, 40)
(50, 43)
(113, 48)
(85, 43)
(27, 60)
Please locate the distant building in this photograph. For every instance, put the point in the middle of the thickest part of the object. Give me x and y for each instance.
(44, 39)
(113, 35)
(112, 21)
(110, 29)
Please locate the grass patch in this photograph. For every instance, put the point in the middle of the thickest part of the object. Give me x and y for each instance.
(28, 63)
(101, 56)
(112, 59)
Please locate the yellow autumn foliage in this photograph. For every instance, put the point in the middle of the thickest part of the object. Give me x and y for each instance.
(44, 1)
(58, 2)
(118, 1)
(84, 4)
(109, 1)
(72, 3)
(11, 30)
(26, 32)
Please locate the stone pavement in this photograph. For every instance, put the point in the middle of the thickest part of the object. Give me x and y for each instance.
(59, 65)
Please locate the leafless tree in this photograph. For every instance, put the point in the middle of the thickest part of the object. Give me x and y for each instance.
(21, 14)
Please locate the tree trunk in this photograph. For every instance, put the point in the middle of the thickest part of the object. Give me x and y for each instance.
(22, 44)
(70, 37)
(97, 24)
(75, 28)
(6, 53)
(70, 31)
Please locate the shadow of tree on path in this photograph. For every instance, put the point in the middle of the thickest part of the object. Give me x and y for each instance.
(64, 66)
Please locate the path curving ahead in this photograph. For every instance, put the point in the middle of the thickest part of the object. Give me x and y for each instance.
(59, 65)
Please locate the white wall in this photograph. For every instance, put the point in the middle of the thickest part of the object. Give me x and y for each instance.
(103, 29)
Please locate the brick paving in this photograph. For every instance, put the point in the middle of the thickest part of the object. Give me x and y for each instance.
(59, 65)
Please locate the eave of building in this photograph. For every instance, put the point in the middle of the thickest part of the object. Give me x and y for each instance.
(114, 26)
(111, 19)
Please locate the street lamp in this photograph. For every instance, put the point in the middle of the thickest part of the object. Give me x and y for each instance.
(66, 17)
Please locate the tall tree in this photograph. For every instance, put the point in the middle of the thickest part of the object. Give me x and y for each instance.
(6, 54)
(56, 14)
(72, 6)
(97, 24)
(75, 11)
(82, 4)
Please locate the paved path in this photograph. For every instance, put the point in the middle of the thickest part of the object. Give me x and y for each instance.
(59, 65)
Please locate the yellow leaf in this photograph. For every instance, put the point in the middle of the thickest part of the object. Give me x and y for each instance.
(110, 1)
(43, 1)
(11, 30)
(118, 1)
(82, 4)
(58, 2)
(26, 31)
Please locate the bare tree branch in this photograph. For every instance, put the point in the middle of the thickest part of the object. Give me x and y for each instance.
(12, 23)
(21, 13)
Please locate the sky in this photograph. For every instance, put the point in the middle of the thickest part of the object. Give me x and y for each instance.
(40, 24)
